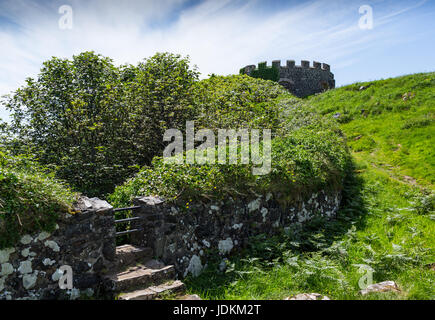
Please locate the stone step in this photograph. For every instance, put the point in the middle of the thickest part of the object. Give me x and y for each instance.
(154, 292)
(128, 254)
(151, 273)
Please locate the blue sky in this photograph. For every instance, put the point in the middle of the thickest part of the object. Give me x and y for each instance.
(222, 36)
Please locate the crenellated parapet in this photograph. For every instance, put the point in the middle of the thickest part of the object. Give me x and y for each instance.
(301, 80)
(305, 64)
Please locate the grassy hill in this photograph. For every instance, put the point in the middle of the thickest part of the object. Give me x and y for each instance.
(386, 222)
(389, 122)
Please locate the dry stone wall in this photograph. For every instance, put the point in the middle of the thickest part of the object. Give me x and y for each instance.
(183, 236)
(85, 241)
(186, 236)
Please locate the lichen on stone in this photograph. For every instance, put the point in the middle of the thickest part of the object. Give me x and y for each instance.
(52, 245)
(225, 246)
(25, 267)
(195, 266)
(4, 254)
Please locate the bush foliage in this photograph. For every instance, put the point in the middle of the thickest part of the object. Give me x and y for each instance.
(95, 125)
(94, 122)
(308, 151)
(31, 198)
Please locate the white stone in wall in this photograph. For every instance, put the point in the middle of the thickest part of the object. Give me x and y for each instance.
(268, 196)
(6, 269)
(52, 245)
(48, 262)
(303, 215)
(2, 283)
(195, 266)
(237, 226)
(254, 205)
(29, 280)
(43, 235)
(206, 243)
(225, 246)
(25, 267)
(57, 275)
(26, 239)
(4, 254)
(25, 252)
(74, 294)
(215, 208)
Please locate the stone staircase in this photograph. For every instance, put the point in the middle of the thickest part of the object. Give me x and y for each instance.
(138, 277)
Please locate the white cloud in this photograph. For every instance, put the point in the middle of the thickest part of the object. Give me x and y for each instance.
(220, 36)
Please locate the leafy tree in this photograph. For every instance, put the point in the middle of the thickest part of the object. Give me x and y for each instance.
(96, 123)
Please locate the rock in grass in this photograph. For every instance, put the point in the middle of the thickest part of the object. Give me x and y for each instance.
(308, 296)
(190, 297)
(384, 286)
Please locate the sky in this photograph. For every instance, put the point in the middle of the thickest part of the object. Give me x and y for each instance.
(221, 36)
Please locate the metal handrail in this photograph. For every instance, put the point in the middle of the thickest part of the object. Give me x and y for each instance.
(126, 209)
(127, 231)
(127, 219)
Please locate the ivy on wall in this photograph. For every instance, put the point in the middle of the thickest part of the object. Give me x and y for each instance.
(264, 72)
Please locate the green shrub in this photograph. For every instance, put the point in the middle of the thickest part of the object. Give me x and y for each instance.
(95, 123)
(308, 150)
(30, 198)
(239, 101)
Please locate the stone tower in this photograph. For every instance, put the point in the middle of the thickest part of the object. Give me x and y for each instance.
(302, 80)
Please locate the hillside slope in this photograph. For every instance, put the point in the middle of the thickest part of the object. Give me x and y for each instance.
(390, 122)
(386, 222)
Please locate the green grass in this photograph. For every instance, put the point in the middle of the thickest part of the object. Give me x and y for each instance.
(386, 220)
(377, 227)
(31, 199)
(392, 122)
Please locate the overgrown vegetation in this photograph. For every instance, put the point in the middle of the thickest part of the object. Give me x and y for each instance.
(264, 72)
(31, 198)
(308, 152)
(94, 123)
(386, 221)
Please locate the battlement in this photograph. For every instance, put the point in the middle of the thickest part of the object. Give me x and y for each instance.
(302, 80)
(305, 64)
